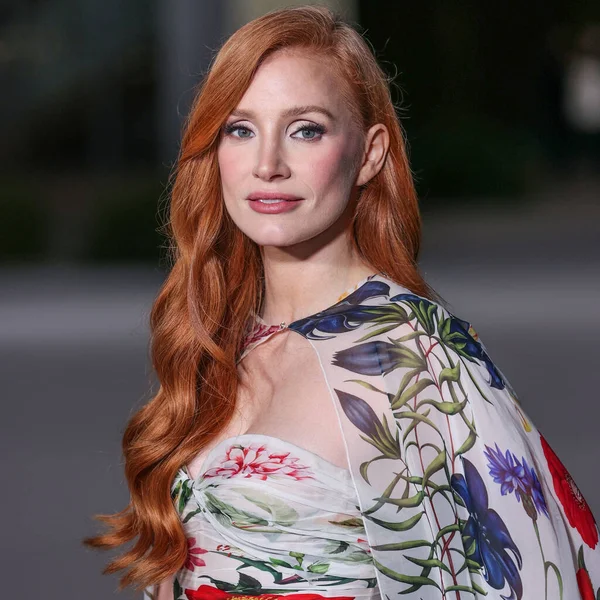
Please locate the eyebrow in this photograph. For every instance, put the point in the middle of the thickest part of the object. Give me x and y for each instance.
(295, 111)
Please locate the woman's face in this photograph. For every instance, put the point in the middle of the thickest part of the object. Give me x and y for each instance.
(291, 137)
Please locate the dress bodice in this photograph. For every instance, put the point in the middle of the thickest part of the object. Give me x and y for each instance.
(265, 516)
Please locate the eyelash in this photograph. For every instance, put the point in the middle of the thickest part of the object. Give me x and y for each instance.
(229, 129)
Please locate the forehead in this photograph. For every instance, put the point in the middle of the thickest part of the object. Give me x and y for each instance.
(288, 78)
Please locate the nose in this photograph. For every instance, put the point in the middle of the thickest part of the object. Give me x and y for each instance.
(270, 163)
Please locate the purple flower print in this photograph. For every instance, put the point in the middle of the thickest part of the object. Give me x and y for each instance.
(517, 476)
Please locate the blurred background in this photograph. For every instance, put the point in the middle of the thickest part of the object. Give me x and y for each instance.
(501, 106)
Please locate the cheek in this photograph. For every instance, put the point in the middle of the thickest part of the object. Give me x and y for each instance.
(330, 169)
(231, 166)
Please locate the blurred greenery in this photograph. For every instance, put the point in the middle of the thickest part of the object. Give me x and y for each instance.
(479, 92)
(119, 218)
(472, 157)
(23, 222)
(127, 222)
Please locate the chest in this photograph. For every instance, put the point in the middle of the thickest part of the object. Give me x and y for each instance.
(283, 393)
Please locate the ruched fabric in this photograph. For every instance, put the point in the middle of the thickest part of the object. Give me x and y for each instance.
(268, 517)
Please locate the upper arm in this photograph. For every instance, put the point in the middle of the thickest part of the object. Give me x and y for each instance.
(408, 395)
(161, 591)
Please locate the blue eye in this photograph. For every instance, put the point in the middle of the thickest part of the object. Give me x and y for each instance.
(310, 132)
(243, 132)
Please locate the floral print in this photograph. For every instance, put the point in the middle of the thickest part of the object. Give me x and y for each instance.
(192, 555)
(266, 518)
(452, 493)
(485, 534)
(257, 334)
(518, 477)
(256, 461)
(574, 505)
(207, 592)
(583, 579)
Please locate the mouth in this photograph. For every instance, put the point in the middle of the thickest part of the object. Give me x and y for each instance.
(272, 197)
(271, 200)
(273, 203)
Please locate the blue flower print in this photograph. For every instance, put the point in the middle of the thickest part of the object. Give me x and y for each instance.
(363, 417)
(459, 335)
(346, 315)
(485, 536)
(377, 358)
(454, 332)
(517, 477)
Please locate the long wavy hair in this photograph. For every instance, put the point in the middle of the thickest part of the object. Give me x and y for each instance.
(216, 281)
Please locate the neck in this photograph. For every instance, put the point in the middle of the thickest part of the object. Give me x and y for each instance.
(297, 287)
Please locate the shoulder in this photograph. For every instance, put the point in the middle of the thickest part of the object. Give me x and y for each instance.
(396, 321)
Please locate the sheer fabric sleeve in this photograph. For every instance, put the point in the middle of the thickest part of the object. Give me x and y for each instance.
(452, 478)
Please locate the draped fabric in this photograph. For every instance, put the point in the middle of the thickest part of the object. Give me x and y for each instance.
(267, 517)
(451, 491)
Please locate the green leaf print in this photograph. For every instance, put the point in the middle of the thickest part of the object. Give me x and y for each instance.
(281, 513)
(410, 502)
(352, 523)
(448, 408)
(359, 556)
(321, 568)
(449, 374)
(190, 515)
(408, 545)
(408, 359)
(369, 386)
(401, 526)
(238, 518)
(248, 584)
(429, 563)
(468, 443)
(410, 393)
(181, 493)
(177, 589)
(280, 563)
(438, 463)
(335, 547)
(415, 580)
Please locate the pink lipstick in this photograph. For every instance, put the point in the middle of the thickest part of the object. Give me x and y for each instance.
(272, 202)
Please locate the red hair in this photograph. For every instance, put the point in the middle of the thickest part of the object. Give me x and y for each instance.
(198, 318)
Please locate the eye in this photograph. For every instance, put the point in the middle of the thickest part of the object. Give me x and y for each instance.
(310, 132)
(241, 131)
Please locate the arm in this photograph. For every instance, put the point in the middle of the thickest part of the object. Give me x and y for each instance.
(162, 591)
(419, 401)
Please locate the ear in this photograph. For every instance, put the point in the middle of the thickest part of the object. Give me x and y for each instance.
(377, 143)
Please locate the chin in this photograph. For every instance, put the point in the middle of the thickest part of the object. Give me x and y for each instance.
(277, 241)
(276, 238)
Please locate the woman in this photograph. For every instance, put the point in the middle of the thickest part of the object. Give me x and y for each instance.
(318, 445)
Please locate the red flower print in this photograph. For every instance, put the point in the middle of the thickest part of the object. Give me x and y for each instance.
(208, 592)
(258, 332)
(585, 585)
(192, 555)
(574, 505)
(583, 578)
(255, 461)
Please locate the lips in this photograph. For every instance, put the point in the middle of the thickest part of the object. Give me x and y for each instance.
(272, 196)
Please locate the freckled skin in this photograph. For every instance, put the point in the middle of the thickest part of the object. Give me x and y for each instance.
(272, 153)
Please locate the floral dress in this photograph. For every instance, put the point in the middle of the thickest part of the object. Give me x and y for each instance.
(451, 492)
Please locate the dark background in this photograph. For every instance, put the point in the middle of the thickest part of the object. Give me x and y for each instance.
(501, 106)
